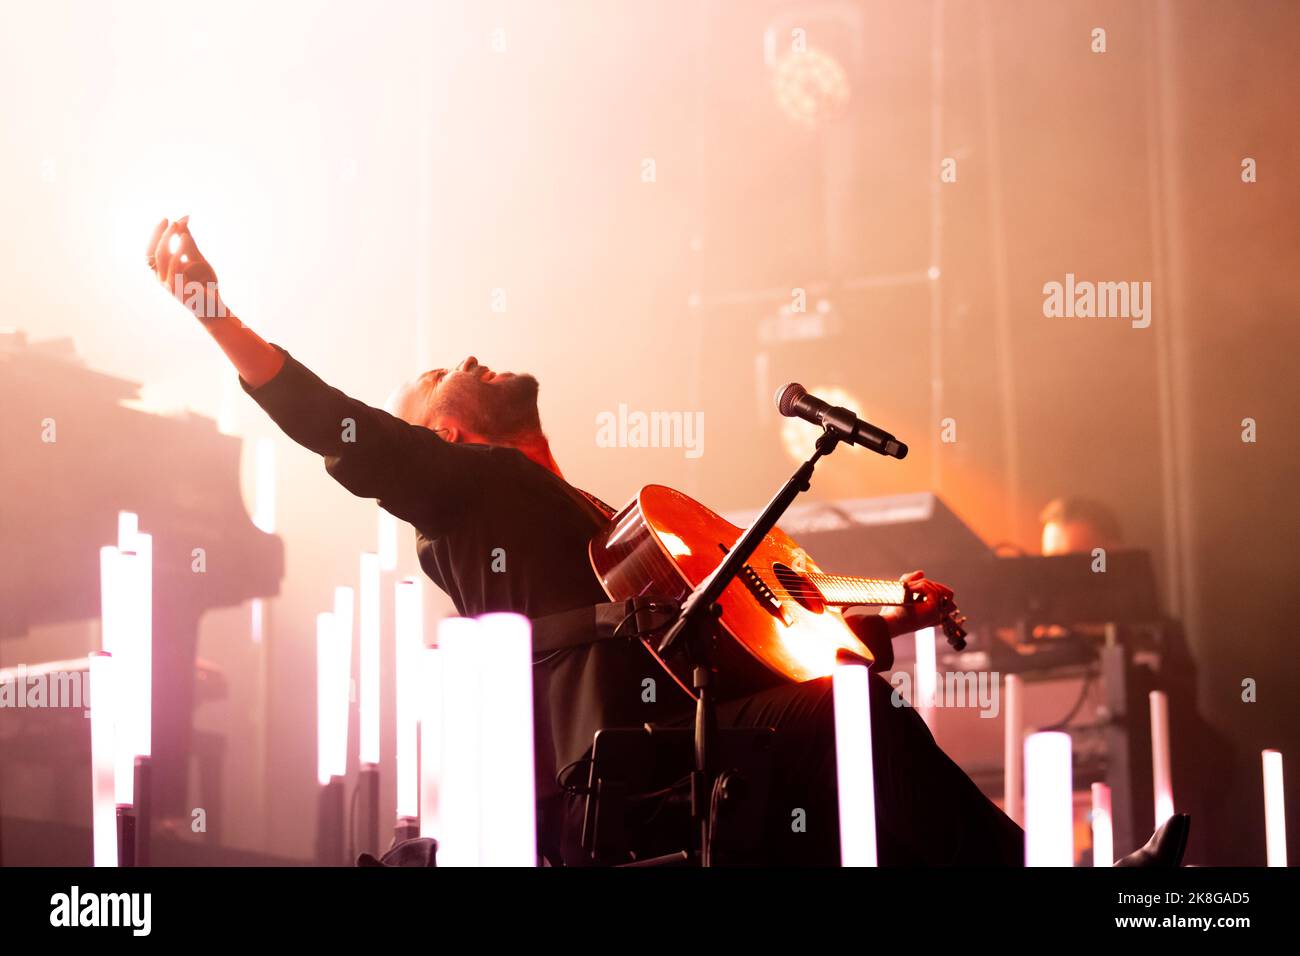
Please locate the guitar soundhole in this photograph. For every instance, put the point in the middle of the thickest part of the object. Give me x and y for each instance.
(803, 591)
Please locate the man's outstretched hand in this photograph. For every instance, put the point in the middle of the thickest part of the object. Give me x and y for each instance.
(178, 265)
(933, 600)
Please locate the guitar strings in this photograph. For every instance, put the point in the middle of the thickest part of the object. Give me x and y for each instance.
(808, 589)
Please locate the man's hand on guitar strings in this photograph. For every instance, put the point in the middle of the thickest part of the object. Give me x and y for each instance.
(928, 602)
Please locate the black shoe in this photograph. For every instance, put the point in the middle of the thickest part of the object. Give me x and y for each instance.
(1166, 846)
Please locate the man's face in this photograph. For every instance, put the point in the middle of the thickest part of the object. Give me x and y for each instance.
(497, 406)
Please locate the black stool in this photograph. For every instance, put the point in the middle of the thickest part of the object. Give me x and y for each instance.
(638, 797)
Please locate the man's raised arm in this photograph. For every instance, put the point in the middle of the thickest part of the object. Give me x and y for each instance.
(178, 264)
(412, 472)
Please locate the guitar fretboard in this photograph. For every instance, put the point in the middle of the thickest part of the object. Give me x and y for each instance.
(841, 589)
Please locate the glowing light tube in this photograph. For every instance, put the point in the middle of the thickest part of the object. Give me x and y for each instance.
(1162, 781)
(1274, 808)
(118, 624)
(431, 733)
(927, 673)
(126, 582)
(103, 802)
(328, 665)
(324, 627)
(344, 618)
(505, 660)
(368, 702)
(137, 678)
(854, 765)
(125, 650)
(1049, 800)
(1103, 838)
(1013, 750)
(128, 526)
(461, 794)
(409, 629)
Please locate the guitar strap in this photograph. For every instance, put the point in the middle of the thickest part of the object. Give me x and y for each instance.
(632, 618)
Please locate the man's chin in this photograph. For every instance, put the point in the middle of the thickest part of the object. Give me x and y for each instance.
(519, 384)
(511, 408)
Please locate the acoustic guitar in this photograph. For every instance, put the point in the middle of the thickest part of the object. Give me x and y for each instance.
(781, 617)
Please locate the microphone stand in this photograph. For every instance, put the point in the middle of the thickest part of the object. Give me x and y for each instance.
(696, 627)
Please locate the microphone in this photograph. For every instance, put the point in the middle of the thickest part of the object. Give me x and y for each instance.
(793, 401)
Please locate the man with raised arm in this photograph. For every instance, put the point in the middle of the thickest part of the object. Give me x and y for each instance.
(460, 454)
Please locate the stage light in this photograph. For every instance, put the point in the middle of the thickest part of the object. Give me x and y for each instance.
(854, 764)
(1049, 800)
(409, 630)
(1013, 752)
(128, 526)
(112, 600)
(431, 734)
(505, 662)
(329, 665)
(927, 674)
(461, 797)
(1274, 808)
(483, 787)
(368, 737)
(133, 648)
(124, 651)
(1103, 839)
(811, 87)
(324, 650)
(257, 620)
(331, 734)
(102, 756)
(1162, 781)
(126, 599)
(344, 604)
(126, 596)
(800, 437)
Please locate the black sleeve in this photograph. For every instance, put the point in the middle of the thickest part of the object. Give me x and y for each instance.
(872, 631)
(413, 473)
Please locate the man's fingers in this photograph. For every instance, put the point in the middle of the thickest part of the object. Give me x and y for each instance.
(162, 253)
(169, 258)
(149, 251)
(168, 253)
(187, 251)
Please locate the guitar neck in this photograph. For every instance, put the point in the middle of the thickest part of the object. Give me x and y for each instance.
(841, 590)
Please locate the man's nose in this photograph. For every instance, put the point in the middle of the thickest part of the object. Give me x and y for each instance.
(469, 364)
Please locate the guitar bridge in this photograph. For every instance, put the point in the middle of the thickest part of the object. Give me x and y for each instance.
(762, 593)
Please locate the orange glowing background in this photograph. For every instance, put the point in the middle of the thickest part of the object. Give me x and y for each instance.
(616, 197)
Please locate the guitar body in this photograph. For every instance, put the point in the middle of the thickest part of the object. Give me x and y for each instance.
(774, 629)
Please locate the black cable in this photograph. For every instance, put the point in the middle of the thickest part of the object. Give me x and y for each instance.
(567, 787)
(1063, 723)
(652, 606)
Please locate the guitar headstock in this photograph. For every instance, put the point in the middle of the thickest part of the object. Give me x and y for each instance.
(951, 622)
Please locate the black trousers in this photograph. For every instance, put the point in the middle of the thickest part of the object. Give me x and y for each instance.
(928, 812)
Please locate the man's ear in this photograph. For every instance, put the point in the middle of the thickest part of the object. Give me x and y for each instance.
(448, 433)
